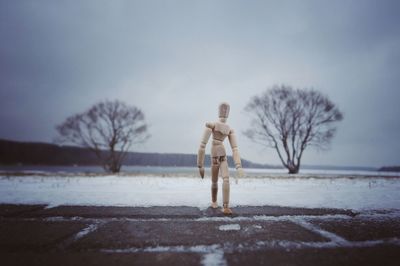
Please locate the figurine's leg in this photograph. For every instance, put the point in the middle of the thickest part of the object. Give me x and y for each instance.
(225, 186)
(214, 179)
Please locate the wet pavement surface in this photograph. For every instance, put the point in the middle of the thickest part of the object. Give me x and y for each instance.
(264, 235)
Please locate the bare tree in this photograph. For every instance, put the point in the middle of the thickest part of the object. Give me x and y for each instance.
(108, 128)
(289, 120)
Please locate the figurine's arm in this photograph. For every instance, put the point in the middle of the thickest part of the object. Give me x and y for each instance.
(202, 149)
(235, 152)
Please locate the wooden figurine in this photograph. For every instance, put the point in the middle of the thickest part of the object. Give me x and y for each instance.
(219, 131)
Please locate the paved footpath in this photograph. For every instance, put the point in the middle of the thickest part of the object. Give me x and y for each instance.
(265, 235)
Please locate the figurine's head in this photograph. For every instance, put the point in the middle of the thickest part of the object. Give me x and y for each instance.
(223, 111)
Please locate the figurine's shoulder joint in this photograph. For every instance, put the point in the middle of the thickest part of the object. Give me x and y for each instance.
(210, 125)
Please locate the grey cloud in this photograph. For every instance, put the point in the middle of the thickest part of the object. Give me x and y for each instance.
(178, 59)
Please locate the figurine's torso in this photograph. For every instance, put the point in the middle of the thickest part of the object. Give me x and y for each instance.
(219, 132)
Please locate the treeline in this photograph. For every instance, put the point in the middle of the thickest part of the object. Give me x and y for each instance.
(390, 169)
(34, 153)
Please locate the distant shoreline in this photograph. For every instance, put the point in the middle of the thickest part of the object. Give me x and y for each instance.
(170, 171)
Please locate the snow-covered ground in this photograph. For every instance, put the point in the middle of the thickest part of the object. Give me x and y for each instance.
(355, 193)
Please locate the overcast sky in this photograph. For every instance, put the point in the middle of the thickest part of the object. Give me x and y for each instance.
(177, 60)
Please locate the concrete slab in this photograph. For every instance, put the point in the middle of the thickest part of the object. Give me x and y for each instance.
(28, 239)
(132, 212)
(176, 211)
(35, 235)
(380, 255)
(190, 233)
(10, 210)
(280, 211)
(180, 211)
(99, 259)
(359, 229)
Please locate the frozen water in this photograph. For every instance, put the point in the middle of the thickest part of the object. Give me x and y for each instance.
(349, 193)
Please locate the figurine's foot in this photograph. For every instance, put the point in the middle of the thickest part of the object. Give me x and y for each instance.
(226, 211)
(214, 205)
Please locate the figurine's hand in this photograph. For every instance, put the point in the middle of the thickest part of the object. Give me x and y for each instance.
(240, 172)
(201, 171)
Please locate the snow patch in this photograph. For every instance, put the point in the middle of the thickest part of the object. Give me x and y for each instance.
(229, 227)
(331, 236)
(214, 259)
(386, 215)
(85, 231)
(286, 244)
(276, 244)
(49, 206)
(214, 254)
(196, 249)
(222, 219)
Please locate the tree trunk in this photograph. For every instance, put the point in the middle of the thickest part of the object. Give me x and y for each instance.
(115, 167)
(293, 170)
